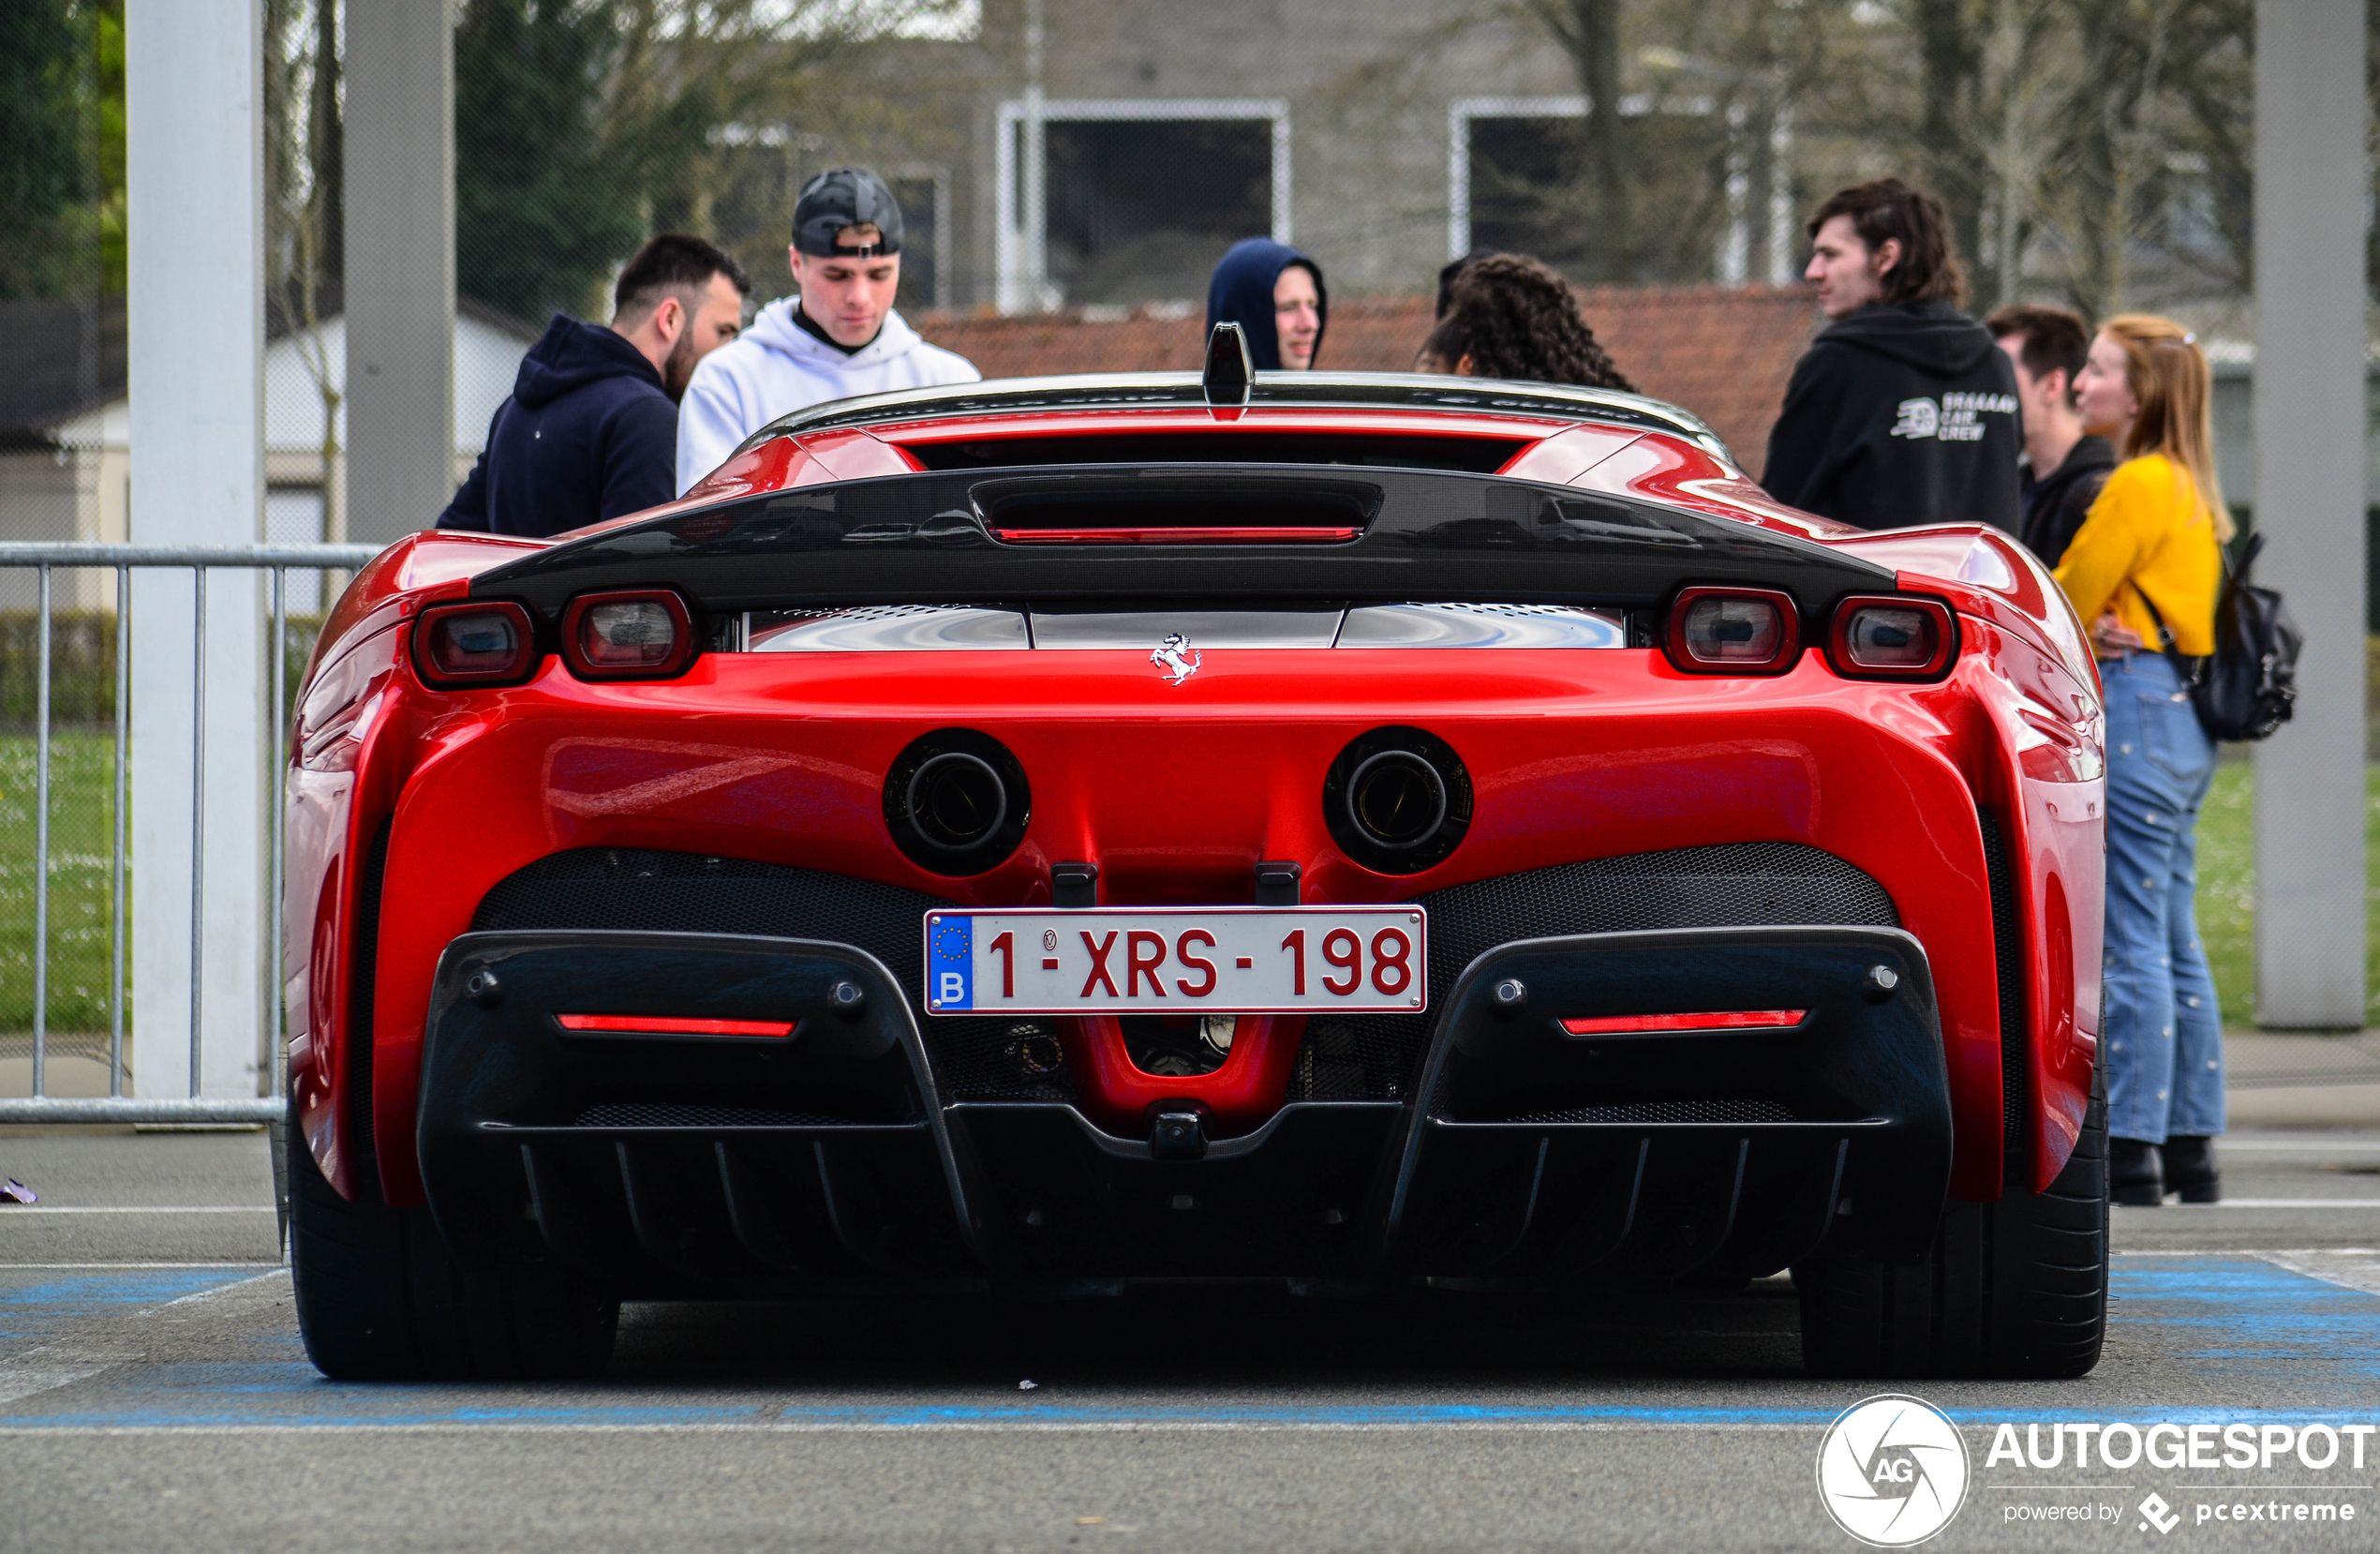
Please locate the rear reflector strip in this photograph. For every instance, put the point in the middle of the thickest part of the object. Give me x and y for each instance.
(1284, 535)
(656, 1024)
(1734, 1019)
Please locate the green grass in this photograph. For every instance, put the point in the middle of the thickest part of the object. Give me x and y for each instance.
(2228, 890)
(82, 809)
(82, 839)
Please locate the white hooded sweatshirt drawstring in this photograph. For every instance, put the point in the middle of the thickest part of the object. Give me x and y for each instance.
(777, 368)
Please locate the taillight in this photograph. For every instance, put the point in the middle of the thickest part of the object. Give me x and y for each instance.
(455, 645)
(646, 633)
(1659, 1024)
(663, 1024)
(1716, 630)
(1890, 636)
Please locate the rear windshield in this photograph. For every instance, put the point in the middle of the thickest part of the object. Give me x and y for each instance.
(1479, 455)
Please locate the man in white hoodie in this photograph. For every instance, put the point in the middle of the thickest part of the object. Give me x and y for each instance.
(838, 337)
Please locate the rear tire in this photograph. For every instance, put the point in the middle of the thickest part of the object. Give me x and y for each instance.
(2016, 1288)
(379, 1298)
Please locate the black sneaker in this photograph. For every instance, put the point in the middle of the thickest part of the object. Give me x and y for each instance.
(2136, 1173)
(2191, 1168)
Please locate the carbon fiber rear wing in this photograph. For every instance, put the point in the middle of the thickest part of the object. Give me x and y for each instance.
(1252, 534)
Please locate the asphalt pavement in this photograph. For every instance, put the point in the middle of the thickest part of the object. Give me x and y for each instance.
(154, 1395)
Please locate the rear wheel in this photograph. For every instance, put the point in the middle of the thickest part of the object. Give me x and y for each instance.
(379, 1299)
(2012, 1288)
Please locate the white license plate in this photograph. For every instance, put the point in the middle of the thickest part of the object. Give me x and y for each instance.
(1248, 960)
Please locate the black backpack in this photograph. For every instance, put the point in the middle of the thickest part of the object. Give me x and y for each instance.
(2245, 689)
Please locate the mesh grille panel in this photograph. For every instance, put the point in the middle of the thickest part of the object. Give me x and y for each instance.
(622, 888)
(688, 893)
(2008, 956)
(1737, 885)
(993, 1059)
(1358, 1058)
(1672, 1111)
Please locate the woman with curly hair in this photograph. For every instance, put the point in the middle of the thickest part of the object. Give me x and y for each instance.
(1511, 316)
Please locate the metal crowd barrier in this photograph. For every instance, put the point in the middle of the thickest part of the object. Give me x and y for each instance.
(117, 1107)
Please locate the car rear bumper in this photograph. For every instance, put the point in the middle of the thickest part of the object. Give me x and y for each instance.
(683, 1162)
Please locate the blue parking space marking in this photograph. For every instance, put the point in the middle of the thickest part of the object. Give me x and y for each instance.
(2233, 1315)
(2250, 1316)
(32, 1311)
(929, 1416)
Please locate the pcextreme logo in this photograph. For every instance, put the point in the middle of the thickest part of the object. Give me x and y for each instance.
(1892, 1470)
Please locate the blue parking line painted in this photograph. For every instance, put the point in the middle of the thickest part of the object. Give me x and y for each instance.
(2234, 1313)
(33, 1311)
(931, 1416)
(94, 1286)
(2246, 1309)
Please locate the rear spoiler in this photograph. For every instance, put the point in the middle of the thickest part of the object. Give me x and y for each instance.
(1251, 534)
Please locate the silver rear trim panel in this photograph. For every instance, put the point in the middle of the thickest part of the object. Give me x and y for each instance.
(1147, 630)
(927, 628)
(1482, 626)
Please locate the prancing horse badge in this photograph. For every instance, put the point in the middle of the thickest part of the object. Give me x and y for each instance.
(1176, 657)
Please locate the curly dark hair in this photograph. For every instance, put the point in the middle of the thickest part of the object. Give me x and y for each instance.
(1515, 318)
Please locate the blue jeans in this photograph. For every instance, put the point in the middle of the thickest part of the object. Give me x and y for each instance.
(2165, 1029)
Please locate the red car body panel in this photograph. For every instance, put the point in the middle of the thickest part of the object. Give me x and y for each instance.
(1575, 755)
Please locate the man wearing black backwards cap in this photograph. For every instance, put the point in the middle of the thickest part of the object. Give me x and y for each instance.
(838, 337)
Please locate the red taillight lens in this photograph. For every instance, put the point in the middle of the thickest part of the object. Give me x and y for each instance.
(1733, 632)
(474, 644)
(1649, 1025)
(1891, 637)
(644, 634)
(663, 1024)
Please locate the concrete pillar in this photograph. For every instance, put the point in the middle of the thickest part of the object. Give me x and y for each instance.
(2309, 415)
(195, 167)
(400, 266)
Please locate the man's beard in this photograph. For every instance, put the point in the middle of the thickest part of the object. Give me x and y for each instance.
(678, 369)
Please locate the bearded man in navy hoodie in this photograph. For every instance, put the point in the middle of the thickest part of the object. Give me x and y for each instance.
(1903, 411)
(590, 431)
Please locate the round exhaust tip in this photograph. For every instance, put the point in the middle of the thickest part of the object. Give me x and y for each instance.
(956, 801)
(1397, 801)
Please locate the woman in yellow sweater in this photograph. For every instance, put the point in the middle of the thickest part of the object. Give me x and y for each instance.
(2144, 569)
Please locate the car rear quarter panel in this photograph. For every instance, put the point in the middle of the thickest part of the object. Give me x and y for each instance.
(2026, 668)
(350, 752)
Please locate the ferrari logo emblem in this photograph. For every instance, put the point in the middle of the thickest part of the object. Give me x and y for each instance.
(1176, 657)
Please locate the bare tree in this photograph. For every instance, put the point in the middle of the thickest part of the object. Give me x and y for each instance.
(304, 204)
(1589, 32)
(688, 80)
(2096, 146)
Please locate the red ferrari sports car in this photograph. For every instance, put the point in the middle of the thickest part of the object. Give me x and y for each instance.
(1345, 829)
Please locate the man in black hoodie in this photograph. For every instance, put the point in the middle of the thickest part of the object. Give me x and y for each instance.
(590, 430)
(1903, 411)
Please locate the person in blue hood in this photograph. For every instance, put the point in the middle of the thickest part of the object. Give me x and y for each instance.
(1275, 296)
(590, 430)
